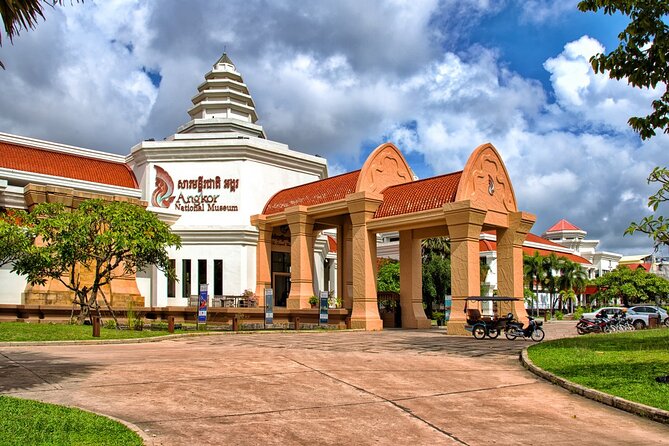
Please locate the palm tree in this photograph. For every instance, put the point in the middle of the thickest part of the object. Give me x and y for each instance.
(572, 277)
(534, 274)
(551, 265)
(22, 14)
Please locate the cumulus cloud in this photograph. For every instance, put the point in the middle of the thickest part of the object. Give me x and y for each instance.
(334, 78)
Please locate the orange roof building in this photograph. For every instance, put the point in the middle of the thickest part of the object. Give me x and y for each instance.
(385, 197)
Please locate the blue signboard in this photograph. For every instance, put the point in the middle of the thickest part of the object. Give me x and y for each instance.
(447, 308)
(269, 306)
(323, 320)
(202, 305)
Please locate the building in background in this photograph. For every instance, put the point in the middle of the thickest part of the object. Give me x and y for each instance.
(206, 180)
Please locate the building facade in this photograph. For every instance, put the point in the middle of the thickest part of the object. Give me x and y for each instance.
(206, 180)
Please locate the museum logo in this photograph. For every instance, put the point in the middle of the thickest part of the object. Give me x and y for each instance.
(163, 194)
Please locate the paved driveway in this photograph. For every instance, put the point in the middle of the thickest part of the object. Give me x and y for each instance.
(358, 388)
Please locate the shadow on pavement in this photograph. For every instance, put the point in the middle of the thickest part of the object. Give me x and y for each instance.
(25, 370)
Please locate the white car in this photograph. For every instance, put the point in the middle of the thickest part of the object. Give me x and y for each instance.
(639, 315)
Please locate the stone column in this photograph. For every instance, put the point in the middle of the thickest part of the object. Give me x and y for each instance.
(301, 257)
(464, 228)
(347, 267)
(411, 282)
(263, 257)
(510, 263)
(365, 312)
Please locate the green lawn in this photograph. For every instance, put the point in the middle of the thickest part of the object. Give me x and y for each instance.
(21, 331)
(620, 364)
(24, 422)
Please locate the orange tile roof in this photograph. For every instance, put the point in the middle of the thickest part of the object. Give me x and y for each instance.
(416, 196)
(489, 245)
(563, 225)
(332, 244)
(545, 252)
(46, 162)
(318, 192)
(634, 266)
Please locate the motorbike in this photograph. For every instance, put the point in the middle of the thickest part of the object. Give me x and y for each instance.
(598, 325)
(514, 329)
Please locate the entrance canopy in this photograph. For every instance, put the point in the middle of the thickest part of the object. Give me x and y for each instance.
(384, 196)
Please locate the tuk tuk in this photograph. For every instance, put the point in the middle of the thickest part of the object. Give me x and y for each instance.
(481, 326)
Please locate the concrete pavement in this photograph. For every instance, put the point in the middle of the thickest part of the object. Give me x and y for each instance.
(400, 387)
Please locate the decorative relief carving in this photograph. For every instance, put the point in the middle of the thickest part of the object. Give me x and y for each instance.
(384, 167)
(487, 182)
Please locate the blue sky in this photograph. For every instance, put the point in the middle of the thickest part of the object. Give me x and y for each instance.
(436, 77)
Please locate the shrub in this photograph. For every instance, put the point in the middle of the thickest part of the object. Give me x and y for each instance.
(559, 316)
(110, 324)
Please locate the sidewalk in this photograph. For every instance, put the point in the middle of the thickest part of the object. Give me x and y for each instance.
(400, 387)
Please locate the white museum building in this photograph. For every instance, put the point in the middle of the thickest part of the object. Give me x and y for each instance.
(206, 180)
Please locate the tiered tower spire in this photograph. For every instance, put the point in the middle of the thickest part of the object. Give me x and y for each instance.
(223, 103)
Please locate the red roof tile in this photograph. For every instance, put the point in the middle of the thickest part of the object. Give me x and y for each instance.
(318, 192)
(421, 195)
(563, 225)
(488, 245)
(332, 244)
(46, 162)
(536, 239)
(634, 266)
(545, 252)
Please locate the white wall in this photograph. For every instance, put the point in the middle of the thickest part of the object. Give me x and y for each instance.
(11, 286)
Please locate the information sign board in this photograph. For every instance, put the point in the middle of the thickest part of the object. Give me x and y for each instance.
(269, 306)
(202, 305)
(323, 320)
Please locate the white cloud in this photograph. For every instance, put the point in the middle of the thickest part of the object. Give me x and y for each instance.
(330, 77)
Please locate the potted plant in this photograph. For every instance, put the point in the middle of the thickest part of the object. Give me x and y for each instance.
(313, 301)
(439, 317)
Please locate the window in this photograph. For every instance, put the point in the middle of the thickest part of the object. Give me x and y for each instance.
(185, 278)
(218, 277)
(171, 283)
(201, 272)
(280, 262)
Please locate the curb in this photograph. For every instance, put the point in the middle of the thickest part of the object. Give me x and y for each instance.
(652, 413)
(147, 440)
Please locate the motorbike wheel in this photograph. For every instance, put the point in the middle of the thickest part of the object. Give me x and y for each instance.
(537, 335)
(666, 322)
(581, 330)
(478, 331)
(493, 333)
(607, 329)
(509, 335)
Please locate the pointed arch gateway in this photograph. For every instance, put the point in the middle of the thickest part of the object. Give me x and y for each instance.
(382, 197)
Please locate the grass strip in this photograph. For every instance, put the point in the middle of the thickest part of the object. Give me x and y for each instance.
(21, 331)
(620, 364)
(25, 422)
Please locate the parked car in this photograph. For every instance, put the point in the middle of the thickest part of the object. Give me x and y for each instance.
(639, 315)
(606, 312)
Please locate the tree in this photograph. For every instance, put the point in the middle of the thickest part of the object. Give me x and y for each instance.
(88, 247)
(534, 275)
(642, 58)
(630, 286)
(13, 238)
(656, 227)
(22, 14)
(550, 264)
(572, 277)
(436, 271)
(389, 277)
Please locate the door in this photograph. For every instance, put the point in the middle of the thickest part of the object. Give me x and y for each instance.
(281, 285)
